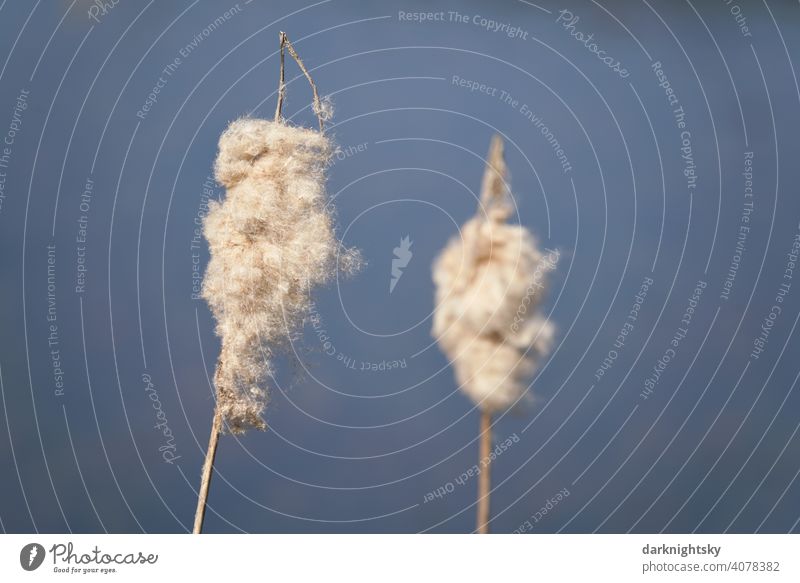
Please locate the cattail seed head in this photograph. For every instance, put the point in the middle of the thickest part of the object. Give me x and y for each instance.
(271, 242)
(489, 283)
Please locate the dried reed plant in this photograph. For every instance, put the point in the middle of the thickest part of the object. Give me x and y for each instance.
(489, 283)
(271, 243)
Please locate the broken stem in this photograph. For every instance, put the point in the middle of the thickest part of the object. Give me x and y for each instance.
(281, 79)
(285, 43)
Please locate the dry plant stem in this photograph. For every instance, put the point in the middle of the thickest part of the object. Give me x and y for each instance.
(208, 470)
(274, 225)
(484, 478)
(281, 79)
(286, 44)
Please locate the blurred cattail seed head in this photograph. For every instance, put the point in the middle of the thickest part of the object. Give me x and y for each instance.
(489, 283)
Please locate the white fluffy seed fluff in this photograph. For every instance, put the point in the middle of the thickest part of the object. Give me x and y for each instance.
(489, 283)
(271, 243)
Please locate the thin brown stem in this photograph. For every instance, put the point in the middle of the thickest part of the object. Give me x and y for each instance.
(484, 478)
(286, 43)
(208, 469)
(281, 79)
(216, 425)
(317, 102)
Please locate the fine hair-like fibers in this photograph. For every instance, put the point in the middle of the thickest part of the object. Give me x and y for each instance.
(271, 243)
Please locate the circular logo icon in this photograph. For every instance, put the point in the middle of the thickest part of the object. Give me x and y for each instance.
(31, 556)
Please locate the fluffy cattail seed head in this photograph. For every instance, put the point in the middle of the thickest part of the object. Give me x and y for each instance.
(271, 242)
(488, 286)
